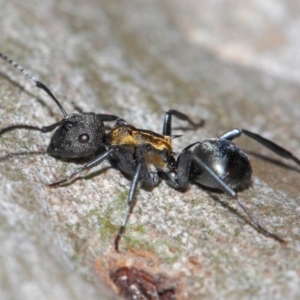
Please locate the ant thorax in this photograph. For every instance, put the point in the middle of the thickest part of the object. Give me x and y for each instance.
(149, 146)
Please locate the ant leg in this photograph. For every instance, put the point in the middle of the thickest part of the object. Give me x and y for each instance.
(96, 161)
(108, 118)
(43, 129)
(230, 135)
(230, 192)
(130, 203)
(167, 127)
(272, 146)
(183, 169)
(222, 185)
(104, 117)
(183, 164)
(257, 226)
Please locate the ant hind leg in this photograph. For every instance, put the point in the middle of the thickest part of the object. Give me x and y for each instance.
(167, 126)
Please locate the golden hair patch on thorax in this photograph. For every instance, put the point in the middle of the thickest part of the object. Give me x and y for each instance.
(128, 134)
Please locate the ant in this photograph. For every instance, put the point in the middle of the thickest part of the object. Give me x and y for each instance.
(141, 154)
(148, 157)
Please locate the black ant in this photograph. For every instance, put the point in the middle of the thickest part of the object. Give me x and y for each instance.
(148, 157)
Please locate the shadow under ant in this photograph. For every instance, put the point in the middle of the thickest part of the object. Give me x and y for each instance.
(274, 161)
(213, 194)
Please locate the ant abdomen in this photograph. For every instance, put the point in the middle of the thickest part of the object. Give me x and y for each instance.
(229, 162)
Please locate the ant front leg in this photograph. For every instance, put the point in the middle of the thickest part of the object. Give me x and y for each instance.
(232, 134)
(96, 161)
(167, 127)
(108, 118)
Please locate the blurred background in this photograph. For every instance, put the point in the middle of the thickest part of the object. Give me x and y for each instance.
(233, 64)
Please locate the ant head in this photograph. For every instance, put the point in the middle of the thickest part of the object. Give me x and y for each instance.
(79, 135)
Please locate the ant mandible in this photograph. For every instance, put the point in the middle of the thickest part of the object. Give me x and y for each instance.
(148, 157)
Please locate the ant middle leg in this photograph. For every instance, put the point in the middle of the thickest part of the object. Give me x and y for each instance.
(130, 202)
(143, 175)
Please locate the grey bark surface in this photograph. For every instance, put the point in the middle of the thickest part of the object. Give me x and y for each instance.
(232, 65)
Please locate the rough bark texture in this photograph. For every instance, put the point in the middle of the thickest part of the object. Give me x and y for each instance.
(235, 65)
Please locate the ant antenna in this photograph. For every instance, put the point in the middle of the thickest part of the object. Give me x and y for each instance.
(38, 83)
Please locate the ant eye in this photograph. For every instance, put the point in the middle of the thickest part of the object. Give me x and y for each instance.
(83, 138)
